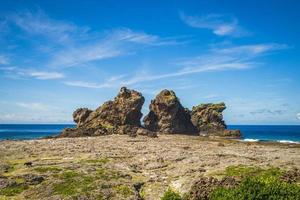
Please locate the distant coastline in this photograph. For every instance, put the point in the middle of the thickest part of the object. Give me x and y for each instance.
(251, 133)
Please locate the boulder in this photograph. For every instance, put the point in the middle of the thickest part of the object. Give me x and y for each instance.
(167, 115)
(81, 115)
(122, 116)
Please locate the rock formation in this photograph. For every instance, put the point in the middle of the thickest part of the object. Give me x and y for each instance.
(81, 115)
(121, 116)
(167, 115)
(208, 119)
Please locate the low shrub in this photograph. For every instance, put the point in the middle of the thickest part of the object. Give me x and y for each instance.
(171, 195)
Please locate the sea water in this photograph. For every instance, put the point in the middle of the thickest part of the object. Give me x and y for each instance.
(279, 133)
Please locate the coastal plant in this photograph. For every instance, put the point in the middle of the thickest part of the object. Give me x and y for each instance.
(254, 188)
(170, 194)
(257, 183)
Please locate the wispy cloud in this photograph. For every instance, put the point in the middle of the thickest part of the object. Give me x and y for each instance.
(267, 111)
(33, 106)
(298, 116)
(15, 72)
(115, 43)
(77, 45)
(217, 59)
(3, 60)
(219, 24)
(39, 23)
(36, 117)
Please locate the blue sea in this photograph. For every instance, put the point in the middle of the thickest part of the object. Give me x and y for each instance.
(279, 133)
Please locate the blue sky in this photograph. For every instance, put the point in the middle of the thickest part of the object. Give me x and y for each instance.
(56, 56)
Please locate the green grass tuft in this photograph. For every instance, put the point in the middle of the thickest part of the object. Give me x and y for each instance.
(13, 190)
(72, 183)
(98, 161)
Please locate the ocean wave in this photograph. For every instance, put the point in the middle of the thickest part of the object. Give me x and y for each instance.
(250, 140)
(288, 141)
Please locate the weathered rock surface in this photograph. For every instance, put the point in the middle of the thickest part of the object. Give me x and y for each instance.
(122, 116)
(208, 119)
(81, 115)
(167, 115)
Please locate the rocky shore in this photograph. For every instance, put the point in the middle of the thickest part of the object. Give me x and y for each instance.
(122, 167)
(167, 157)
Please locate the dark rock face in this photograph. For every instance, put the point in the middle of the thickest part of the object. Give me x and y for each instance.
(122, 116)
(81, 115)
(167, 115)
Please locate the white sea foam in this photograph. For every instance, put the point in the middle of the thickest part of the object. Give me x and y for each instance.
(288, 141)
(250, 140)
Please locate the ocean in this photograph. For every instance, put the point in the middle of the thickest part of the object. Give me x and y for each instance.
(279, 133)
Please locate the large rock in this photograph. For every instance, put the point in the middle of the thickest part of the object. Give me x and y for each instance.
(81, 115)
(122, 116)
(167, 115)
(208, 119)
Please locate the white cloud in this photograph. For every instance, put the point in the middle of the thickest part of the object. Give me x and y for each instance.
(218, 59)
(40, 24)
(115, 43)
(219, 24)
(87, 84)
(298, 116)
(15, 72)
(114, 81)
(43, 75)
(129, 35)
(35, 118)
(33, 106)
(254, 49)
(3, 60)
(82, 55)
(76, 45)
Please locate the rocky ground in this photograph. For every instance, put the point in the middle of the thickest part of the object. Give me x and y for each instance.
(122, 167)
